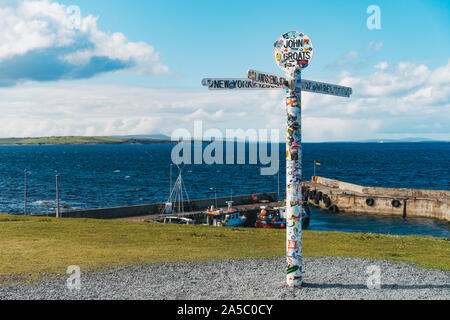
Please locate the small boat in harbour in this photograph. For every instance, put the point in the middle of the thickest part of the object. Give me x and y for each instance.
(230, 217)
(174, 208)
(275, 218)
(177, 197)
(174, 219)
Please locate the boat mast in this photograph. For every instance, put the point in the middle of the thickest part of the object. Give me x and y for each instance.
(180, 196)
(170, 188)
(178, 192)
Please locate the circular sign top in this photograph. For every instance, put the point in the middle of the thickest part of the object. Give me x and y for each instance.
(292, 51)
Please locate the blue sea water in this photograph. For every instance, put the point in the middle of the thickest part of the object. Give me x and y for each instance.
(94, 176)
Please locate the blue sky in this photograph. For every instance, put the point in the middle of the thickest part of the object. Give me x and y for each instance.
(225, 38)
(135, 67)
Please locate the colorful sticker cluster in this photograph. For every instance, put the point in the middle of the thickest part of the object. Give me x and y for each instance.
(294, 206)
(293, 50)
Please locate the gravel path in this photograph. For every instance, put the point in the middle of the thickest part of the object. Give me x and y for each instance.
(324, 278)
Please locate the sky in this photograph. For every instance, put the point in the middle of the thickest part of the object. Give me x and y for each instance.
(116, 67)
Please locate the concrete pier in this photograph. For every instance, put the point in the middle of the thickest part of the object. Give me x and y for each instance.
(154, 209)
(326, 194)
(347, 197)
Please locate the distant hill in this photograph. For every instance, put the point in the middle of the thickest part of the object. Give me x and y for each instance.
(146, 136)
(156, 138)
(80, 140)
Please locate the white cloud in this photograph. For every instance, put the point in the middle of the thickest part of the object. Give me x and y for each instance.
(375, 45)
(42, 33)
(382, 65)
(401, 100)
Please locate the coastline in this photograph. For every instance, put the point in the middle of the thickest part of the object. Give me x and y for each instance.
(125, 141)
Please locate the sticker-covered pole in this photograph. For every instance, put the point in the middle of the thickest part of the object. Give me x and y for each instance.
(294, 205)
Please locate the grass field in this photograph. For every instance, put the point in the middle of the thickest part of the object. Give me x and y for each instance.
(32, 247)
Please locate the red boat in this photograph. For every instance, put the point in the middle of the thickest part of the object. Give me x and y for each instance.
(275, 218)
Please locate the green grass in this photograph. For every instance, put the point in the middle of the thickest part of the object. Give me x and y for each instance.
(72, 140)
(32, 247)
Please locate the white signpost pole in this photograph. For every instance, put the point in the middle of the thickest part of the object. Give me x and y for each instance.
(294, 203)
(293, 52)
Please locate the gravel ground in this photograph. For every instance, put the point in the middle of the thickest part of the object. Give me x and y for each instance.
(324, 278)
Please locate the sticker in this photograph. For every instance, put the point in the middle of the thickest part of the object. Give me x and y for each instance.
(291, 269)
(292, 244)
(292, 254)
(293, 51)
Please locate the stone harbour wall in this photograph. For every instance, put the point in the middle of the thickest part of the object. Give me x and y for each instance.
(156, 208)
(347, 197)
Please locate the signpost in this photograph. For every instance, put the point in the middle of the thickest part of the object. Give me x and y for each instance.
(234, 84)
(293, 52)
(276, 81)
(267, 79)
(326, 88)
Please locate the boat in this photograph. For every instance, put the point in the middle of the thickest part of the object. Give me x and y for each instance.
(275, 218)
(174, 208)
(174, 219)
(230, 217)
(178, 196)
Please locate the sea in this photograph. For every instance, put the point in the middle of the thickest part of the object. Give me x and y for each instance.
(96, 176)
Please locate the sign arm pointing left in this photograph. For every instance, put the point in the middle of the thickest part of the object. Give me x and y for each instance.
(234, 84)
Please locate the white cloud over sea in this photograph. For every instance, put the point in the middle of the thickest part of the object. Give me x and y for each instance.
(402, 100)
(47, 41)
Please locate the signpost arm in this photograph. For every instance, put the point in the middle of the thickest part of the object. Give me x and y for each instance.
(294, 204)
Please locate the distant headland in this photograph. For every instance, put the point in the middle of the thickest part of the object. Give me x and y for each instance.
(156, 139)
(81, 140)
